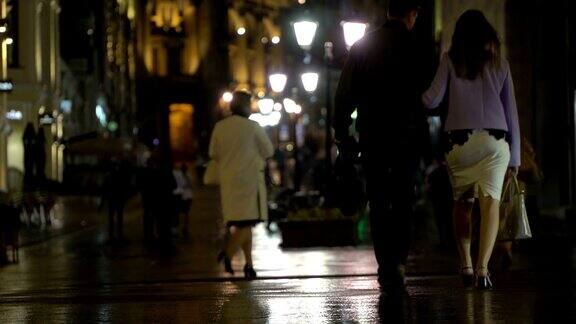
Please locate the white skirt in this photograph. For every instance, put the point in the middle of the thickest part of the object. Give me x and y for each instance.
(478, 166)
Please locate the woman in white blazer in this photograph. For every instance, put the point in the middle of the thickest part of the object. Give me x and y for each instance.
(240, 148)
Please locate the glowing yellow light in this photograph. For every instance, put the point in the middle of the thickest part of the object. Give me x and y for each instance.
(241, 31)
(227, 96)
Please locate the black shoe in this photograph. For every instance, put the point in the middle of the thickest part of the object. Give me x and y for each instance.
(249, 272)
(467, 278)
(392, 280)
(222, 257)
(483, 282)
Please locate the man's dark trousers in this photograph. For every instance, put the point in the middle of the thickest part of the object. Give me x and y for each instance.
(390, 170)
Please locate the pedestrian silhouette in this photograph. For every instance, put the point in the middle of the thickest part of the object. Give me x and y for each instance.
(116, 190)
(383, 81)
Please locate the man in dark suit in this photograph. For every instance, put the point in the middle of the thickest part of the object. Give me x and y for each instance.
(382, 81)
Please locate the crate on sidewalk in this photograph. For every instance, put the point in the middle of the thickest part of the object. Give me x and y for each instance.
(317, 227)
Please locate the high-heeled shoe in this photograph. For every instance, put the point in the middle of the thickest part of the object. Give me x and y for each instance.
(467, 276)
(249, 272)
(483, 282)
(222, 257)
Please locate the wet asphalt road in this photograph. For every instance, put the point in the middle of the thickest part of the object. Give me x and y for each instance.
(75, 277)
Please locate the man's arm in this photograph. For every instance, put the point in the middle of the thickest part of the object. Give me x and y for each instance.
(346, 99)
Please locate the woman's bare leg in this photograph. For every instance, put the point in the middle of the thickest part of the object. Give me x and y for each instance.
(247, 246)
(489, 222)
(234, 241)
(462, 216)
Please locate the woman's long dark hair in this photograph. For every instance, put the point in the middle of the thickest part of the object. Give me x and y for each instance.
(475, 43)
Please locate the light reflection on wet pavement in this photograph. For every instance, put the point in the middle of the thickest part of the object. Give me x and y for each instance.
(76, 278)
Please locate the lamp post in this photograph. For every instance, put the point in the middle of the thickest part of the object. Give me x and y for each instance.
(353, 32)
(266, 105)
(294, 110)
(309, 81)
(305, 31)
(278, 82)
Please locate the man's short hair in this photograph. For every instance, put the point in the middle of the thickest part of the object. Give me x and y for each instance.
(401, 8)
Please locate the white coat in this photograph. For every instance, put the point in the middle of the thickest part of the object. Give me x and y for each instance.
(240, 147)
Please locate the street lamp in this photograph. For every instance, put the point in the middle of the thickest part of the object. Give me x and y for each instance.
(305, 31)
(353, 31)
(294, 110)
(277, 82)
(266, 105)
(289, 105)
(310, 81)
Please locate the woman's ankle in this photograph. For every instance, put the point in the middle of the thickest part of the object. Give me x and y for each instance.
(466, 269)
(466, 263)
(482, 271)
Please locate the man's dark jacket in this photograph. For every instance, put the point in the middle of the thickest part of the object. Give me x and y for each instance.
(383, 79)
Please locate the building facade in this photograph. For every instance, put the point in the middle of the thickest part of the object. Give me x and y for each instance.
(189, 53)
(33, 65)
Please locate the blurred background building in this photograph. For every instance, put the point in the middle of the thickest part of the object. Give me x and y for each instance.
(31, 52)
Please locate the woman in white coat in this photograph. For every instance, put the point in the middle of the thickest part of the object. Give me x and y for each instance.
(240, 148)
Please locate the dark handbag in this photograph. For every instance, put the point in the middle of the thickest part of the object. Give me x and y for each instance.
(514, 223)
(349, 187)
